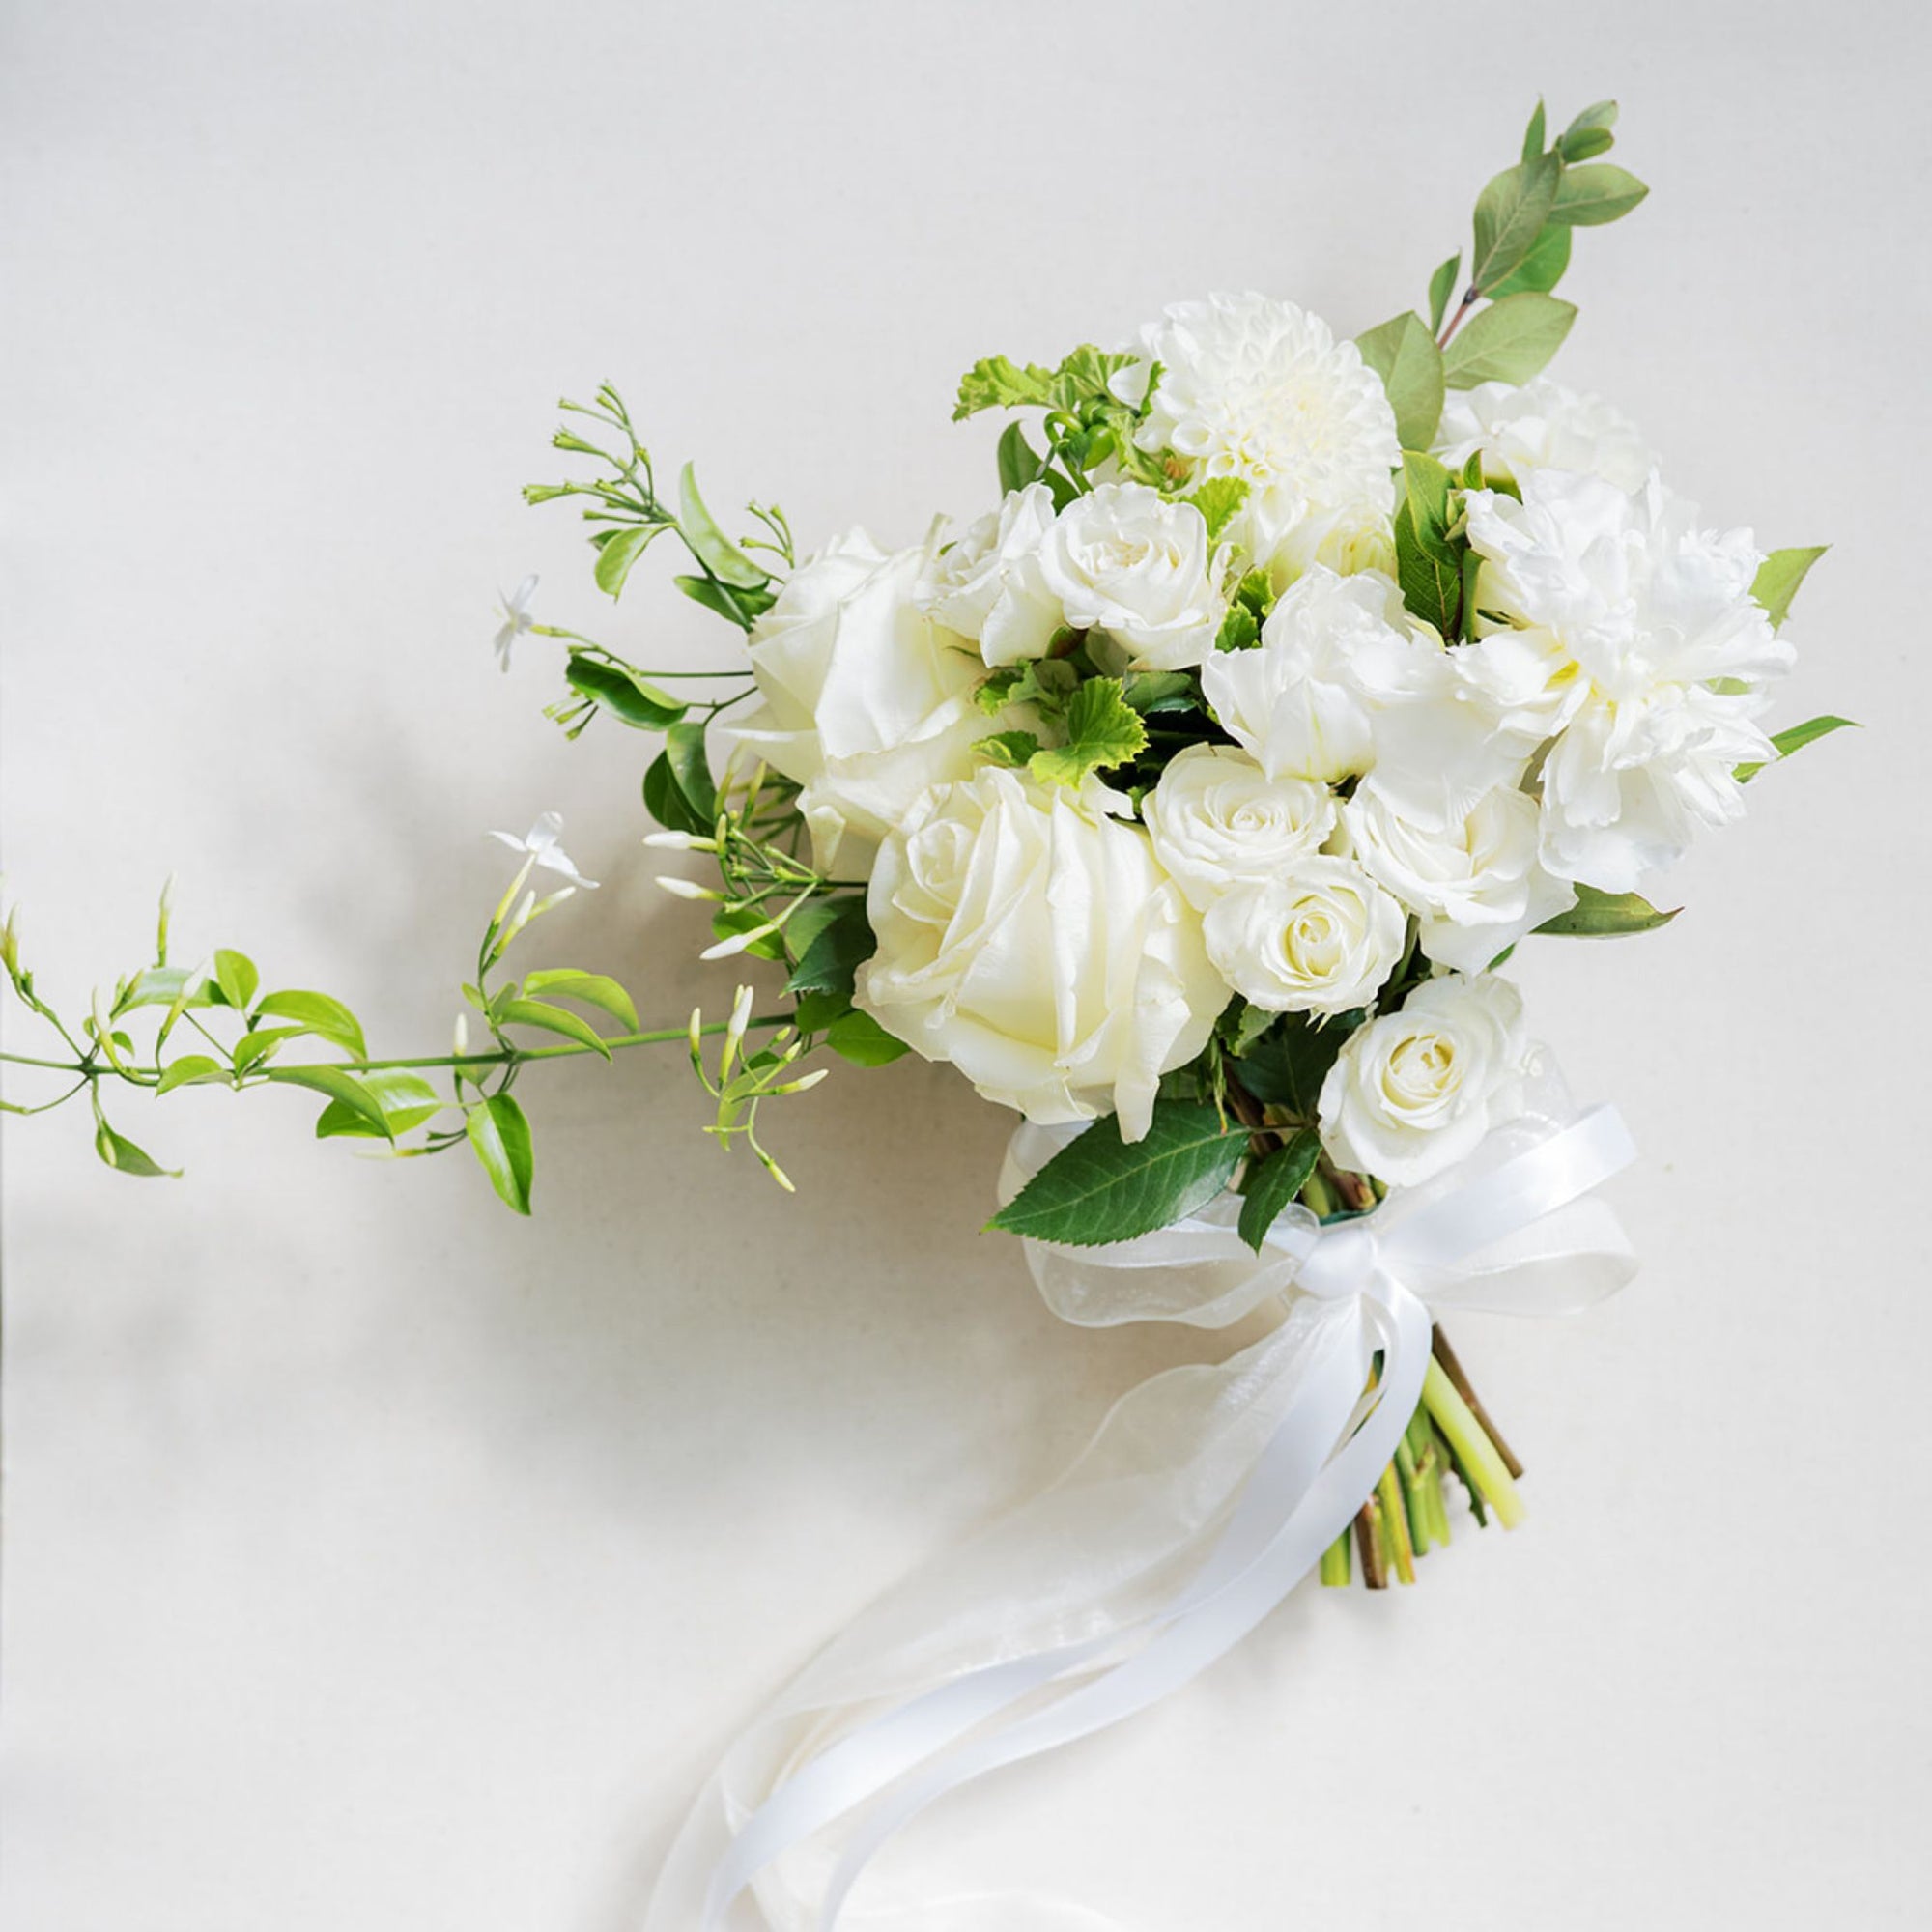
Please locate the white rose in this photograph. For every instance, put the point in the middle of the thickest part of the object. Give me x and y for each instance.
(1125, 560)
(1345, 681)
(988, 586)
(1319, 940)
(1540, 425)
(1033, 941)
(868, 703)
(1476, 884)
(1218, 820)
(1414, 1092)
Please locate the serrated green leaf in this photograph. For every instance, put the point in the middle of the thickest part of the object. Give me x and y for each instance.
(1607, 915)
(860, 1039)
(593, 989)
(125, 1158)
(501, 1135)
(1010, 750)
(1510, 214)
(623, 694)
(1217, 499)
(1098, 1190)
(1102, 730)
(1508, 342)
(1240, 629)
(320, 1015)
(552, 1019)
(1287, 1066)
(1593, 195)
(995, 690)
(1542, 269)
(1274, 1183)
(1403, 353)
(190, 1070)
(1778, 578)
(712, 549)
(998, 383)
(1795, 740)
(844, 944)
(1154, 691)
(1429, 575)
(236, 974)
(336, 1085)
(616, 551)
(1441, 286)
(679, 792)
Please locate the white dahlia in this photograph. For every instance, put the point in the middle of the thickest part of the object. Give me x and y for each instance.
(1631, 637)
(1262, 390)
(1540, 425)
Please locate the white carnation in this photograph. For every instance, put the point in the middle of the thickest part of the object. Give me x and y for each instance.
(1218, 820)
(1540, 425)
(988, 585)
(1636, 643)
(1475, 884)
(1416, 1091)
(1125, 560)
(1034, 943)
(1319, 940)
(1262, 390)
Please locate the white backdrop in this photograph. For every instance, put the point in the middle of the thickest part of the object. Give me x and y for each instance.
(376, 1560)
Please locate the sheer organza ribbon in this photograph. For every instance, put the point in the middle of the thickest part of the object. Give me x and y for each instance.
(1207, 1494)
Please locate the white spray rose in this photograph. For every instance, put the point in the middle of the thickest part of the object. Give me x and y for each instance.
(987, 586)
(1415, 1091)
(1218, 820)
(1634, 641)
(1345, 681)
(868, 703)
(1125, 560)
(1540, 425)
(1034, 942)
(1476, 884)
(1319, 940)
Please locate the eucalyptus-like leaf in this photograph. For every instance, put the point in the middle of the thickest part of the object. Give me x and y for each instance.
(1510, 214)
(1441, 286)
(1533, 134)
(1508, 342)
(1607, 915)
(1274, 1183)
(623, 694)
(712, 549)
(320, 1014)
(1778, 578)
(1403, 353)
(500, 1136)
(1589, 133)
(1098, 1188)
(1542, 269)
(1590, 197)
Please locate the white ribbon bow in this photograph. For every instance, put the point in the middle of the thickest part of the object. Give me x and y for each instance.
(1207, 1494)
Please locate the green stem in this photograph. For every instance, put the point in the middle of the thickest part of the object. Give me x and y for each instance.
(1337, 1565)
(1394, 1523)
(1473, 1449)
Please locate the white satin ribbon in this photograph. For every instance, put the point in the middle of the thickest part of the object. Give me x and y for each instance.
(1206, 1496)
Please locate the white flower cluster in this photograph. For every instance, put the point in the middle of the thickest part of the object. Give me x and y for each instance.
(1354, 786)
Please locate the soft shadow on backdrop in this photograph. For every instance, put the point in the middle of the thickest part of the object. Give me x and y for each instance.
(373, 1559)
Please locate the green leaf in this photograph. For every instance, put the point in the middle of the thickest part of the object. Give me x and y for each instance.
(319, 1015)
(1217, 499)
(828, 964)
(1532, 138)
(1098, 1190)
(1441, 286)
(860, 1039)
(1508, 342)
(617, 551)
(623, 694)
(1240, 629)
(1607, 915)
(727, 921)
(1510, 214)
(678, 788)
(1589, 133)
(1020, 464)
(1542, 269)
(257, 1045)
(1778, 578)
(125, 1158)
(336, 1085)
(1102, 730)
(501, 1137)
(406, 1100)
(552, 1019)
(743, 607)
(190, 1070)
(236, 974)
(997, 383)
(1428, 567)
(1153, 690)
(1591, 196)
(1008, 749)
(593, 989)
(1274, 1183)
(1796, 739)
(1403, 353)
(162, 987)
(1287, 1066)
(712, 549)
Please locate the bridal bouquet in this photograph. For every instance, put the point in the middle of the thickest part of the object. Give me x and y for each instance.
(1191, 802)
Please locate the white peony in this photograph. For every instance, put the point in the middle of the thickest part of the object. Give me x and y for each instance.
(1345, 681)
(867, 701)
(1636, 643)
(1031, 940)
(1125, 560)
(1540, 425)
(1319, 940)
(988, 585)
(1475, 884)
(1262, 390)
(1218, 820)
(1415, 1091)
